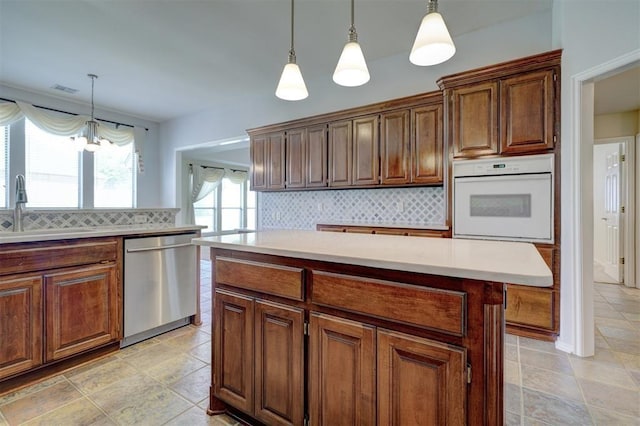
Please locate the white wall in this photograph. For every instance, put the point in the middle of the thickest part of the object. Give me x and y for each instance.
(590, 33)
(149, 182)
(391, 77)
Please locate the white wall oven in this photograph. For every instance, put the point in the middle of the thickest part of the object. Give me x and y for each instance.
(508, 198)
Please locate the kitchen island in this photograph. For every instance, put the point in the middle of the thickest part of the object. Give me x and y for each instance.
(336, 328)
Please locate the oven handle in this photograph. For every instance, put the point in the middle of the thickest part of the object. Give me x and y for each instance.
(530, 176)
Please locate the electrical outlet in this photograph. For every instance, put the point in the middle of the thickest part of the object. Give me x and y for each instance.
(320, 207)
(399, 207)
(140, 218)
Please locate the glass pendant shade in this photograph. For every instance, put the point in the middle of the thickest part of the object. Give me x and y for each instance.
(352, 68)
(433, 44)
(92, 136)
(291, 86)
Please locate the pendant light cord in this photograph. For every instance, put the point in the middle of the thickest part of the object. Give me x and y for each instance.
(93, 80)
(353, 36)
(292, 52)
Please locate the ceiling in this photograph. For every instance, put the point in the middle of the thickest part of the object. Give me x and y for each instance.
(161, 59)
(618, 93)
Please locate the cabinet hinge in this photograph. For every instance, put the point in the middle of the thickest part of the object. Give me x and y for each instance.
(623, 157)
(622, 260)
(555, 138)
(555, 77)
(306, 328)
(468, 373)
(622, 209)
(306, 421)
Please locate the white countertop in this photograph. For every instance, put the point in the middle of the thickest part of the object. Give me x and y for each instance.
(91, 232)
(426, 226)
(509, 262)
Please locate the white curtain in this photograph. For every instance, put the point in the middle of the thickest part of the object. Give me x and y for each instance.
(205, 179)
(236, 176)
(69, 125)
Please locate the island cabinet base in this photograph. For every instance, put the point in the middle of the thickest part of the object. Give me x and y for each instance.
(299, 342)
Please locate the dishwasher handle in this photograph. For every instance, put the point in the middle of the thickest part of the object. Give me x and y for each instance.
(137, 250)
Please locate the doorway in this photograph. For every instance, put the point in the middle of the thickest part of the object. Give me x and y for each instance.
(613, 211)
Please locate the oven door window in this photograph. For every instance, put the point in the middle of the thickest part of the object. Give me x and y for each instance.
(500, 205)
(510, 207)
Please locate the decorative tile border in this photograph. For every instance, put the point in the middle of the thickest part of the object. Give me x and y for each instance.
(304, 209)
(46, 219)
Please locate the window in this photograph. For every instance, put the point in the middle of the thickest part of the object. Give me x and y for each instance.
(114, 176)
(237, 208)
(52, 165)
(4, 149)
(58, 174)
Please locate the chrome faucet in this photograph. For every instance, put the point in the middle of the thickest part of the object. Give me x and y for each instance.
(21, 200)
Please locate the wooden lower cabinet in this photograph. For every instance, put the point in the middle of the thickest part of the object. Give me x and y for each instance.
(342, 371)
(81, 309)
(258, 358)
(20, 324)
(420, 381)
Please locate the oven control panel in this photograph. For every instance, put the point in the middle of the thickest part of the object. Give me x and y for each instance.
(504, 166)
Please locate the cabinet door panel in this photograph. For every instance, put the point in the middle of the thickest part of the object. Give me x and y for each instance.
(366, 161)
(394, 148)
(276, 161)
(233, 350)
(340, 153)
(474, 120)
(316, 156)
(258, 153)
(341, 372)
(296, 157)
(527, 111)
(81, 310)
(20, 324)
(420, 381)
(279, 363)
(427, 145)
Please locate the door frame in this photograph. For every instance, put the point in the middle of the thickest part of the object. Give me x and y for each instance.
(628, 217)
(578, 314)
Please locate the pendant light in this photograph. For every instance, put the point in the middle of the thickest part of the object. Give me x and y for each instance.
(352, 68)
(291, 86)
(89, 139)
(433, 44)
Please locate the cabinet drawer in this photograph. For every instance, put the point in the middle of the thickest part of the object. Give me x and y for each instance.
(529, 306)
(267, 278)
(27, 257)
(440, 310)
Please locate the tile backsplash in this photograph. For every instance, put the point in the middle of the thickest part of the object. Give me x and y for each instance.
(45, 219)
(417, 206)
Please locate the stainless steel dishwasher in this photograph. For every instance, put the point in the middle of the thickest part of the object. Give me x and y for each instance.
(159, 285)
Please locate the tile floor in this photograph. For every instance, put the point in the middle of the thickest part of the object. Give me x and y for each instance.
(165, 380)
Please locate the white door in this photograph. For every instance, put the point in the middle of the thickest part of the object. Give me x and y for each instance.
(607, 220)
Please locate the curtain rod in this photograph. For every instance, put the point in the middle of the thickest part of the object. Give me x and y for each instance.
(71, 113)
(219, 168)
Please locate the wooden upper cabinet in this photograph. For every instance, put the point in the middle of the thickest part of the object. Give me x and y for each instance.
(296, 158)
(342, 371)
(527, 112)
(276, 169)
(81, 309)
(420, 380)
(366, 161)
(427, 145)
(474, 120)
(395, 148)
(267, 161)
(20, 324)
(279, 364)
(340, 153)
(259, 162)
(316, 154)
